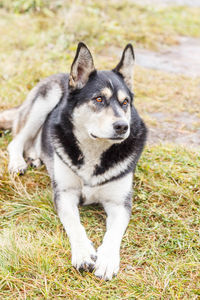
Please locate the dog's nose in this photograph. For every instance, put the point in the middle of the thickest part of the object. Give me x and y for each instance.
(120, 127)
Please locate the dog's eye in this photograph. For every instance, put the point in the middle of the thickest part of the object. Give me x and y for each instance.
(99, 99)
(125, 102)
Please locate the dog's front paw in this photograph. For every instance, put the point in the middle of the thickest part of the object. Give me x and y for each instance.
(17, 166)
(35, 163)
(84, 257)
(107, 264)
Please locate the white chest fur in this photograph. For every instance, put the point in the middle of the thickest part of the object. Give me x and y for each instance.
(69, 179)
(92, 152)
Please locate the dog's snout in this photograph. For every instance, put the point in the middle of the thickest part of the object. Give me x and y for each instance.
(120, 127)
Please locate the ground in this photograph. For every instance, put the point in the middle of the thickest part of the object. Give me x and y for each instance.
(160, 252)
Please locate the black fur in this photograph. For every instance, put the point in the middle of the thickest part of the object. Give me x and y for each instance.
(132, 145)
(59, 136)
(97, 81)
(56, 193)
(58, 128)
(63, 132)
(128, 202)
(118, 68)
(59, 125)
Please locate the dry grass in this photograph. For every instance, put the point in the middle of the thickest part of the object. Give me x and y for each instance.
(161, 249)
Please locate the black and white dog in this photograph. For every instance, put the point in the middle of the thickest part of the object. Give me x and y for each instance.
(83, 126)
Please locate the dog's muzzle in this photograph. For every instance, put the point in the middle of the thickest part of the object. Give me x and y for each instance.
(120, 127)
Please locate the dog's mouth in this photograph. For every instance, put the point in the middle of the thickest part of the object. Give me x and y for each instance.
(115, 138)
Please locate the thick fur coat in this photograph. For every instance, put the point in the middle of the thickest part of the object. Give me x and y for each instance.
(84, 127)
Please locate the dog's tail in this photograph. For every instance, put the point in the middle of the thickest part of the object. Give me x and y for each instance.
(7, 118)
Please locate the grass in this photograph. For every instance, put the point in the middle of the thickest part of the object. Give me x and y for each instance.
(160, 252)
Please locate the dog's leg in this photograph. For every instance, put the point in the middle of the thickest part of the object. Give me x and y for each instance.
(39, 111)
(118, 210)
(16, 148)
(7, 118)
(83, 253)
(33, 151)
(108, 254)
(67, 189)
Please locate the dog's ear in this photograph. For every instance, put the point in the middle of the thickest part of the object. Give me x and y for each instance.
(81, 68)
(125, 66)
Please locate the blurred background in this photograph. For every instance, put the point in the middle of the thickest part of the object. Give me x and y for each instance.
(160, 253)
(39, 38)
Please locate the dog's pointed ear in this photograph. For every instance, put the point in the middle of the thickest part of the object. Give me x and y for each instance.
(125, 66)
(81, 68)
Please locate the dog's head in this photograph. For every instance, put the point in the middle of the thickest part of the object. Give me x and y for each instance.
(102, 100)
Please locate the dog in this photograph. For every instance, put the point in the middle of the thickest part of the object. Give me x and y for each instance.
(84, 127)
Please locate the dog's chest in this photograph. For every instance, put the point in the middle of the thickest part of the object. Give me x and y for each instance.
(92, 154)
(89, 195)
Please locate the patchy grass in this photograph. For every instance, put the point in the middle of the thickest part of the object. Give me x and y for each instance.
(161, 250)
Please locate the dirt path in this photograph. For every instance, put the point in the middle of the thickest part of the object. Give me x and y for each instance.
(181, 131)
(183, 58)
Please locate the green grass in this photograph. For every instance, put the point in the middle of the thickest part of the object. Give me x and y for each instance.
(160, 253)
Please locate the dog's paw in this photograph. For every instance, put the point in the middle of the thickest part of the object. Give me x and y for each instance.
(84, 257)
(35, 163)
(17, 166)
(107, 263)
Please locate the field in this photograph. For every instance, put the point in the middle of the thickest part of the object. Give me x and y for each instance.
(160, 253)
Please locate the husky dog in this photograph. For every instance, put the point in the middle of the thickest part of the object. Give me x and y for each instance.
(83, 126)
